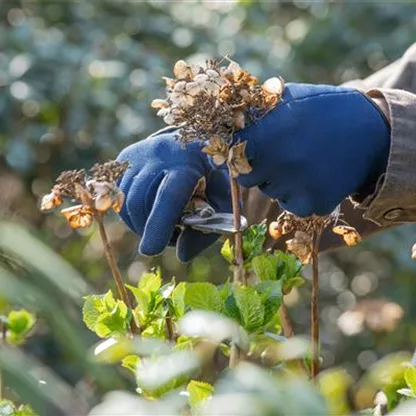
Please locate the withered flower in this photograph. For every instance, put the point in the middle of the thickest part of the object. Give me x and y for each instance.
(51, 200)
(348, 233)
(237, 161)
(414, 252)
(301, 246)
(217, 149)
(78, 216)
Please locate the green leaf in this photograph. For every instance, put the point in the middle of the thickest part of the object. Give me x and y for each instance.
(253, 240)
(94, 306)
(166, 290)
(130, 362)
(271, 294)
(150, 282)
(203, 296)
(114, 322)
(227, 251)
(292, 283)
(410, 378)
(142, 300)
(19, 323)
(198, 392)
(178, 299)
(231, 309)
(25, 410)
(250, 306)
(224, 290)
(265, 266)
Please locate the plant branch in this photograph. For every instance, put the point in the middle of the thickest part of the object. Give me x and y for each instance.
(169, 328)
(112, 263)
(315, 304)
(238, 269)
(286, 322)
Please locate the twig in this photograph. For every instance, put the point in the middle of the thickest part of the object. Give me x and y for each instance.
(286, 322)
(169, 328)
(112, 263)
(238, 269)
(234, 355)
(315, 304)
(3, 328)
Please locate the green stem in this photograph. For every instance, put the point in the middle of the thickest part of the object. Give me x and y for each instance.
(115, 271)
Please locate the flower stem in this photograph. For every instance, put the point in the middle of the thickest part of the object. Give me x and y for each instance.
(286, 322)
(315, 305)
(238, 269)
(169, 328)
(112, 263)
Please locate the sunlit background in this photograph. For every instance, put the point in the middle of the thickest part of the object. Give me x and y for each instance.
(76, 80)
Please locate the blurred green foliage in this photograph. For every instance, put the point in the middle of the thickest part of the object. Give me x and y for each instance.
(76, 80)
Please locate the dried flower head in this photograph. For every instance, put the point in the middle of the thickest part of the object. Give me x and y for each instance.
(95, 193)
(211, 102)
(301, 246)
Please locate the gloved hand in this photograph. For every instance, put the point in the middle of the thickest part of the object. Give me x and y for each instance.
(318, 146)
(158, 185)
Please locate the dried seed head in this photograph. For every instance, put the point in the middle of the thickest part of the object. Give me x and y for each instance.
(118, 200)
(218, 149)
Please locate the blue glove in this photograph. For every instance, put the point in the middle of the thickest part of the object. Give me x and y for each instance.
(318, 146)
(158, 185)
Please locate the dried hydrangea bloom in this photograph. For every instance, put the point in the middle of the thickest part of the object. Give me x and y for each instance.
(217, 149)
(237, 162)
(51, 200)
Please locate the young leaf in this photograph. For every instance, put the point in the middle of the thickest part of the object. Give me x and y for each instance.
(231, 309)
(271, 294)
(410, 378)
(114, 322)
(250, 307)
(94, 306)
(178, 299)
(253, 240)
(265, 266)
(227, 251)
(198, 392)
(292, 283)
(142, 299)
(150, 282)
(407, 393)
(130, 362)
(19, 323)
(203, 296)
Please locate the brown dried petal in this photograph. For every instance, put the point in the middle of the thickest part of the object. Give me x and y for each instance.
(118, 200)
(78, 216)
(103, 203)
(217, 149)
(349, 234)
(301, 246)
(275, 230)
(170, 82)
(237, 161)
(182, 70)
(273, 86)
(239, 120)
(50, 201)
(159, 103)
(83, 195)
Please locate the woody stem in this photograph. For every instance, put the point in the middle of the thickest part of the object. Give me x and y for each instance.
(115, 271)
(315, 305)
(238, 269)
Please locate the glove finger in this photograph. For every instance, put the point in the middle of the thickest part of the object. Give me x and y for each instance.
(124, 185)
(173, 194)
(192, 242)
(218, 191)
(143, 185)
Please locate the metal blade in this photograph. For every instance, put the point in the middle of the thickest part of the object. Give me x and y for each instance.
(221, 223)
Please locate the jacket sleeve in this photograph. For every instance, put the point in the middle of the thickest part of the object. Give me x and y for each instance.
(393, 200)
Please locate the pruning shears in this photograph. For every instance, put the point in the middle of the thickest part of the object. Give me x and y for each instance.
(204, 218)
